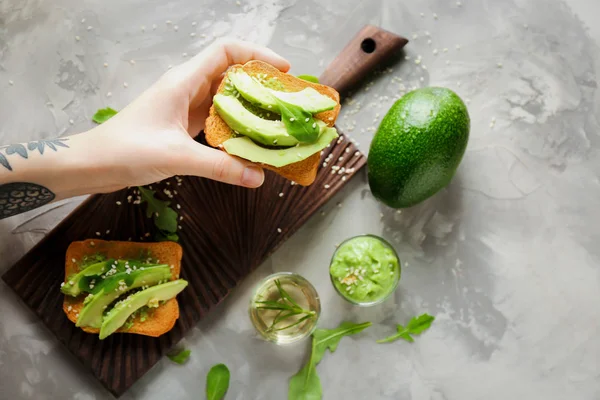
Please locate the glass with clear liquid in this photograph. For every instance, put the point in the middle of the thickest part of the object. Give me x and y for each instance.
(285, 308)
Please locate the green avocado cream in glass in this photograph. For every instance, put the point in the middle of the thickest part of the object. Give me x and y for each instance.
(365, 270)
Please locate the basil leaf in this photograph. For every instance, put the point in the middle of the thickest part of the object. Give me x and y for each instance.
(217, 382)
(309, 78)
(298, 123)
(103, 115)
(181, 357)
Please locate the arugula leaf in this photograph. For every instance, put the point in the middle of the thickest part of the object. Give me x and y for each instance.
(165, 218)
(181, 357)
(103, 115)
(163, 236)
(306, 385)
(217, 382)
(415, 326)
(298, 123)
(309, 78)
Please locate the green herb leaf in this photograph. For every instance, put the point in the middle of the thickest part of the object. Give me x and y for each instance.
(103, 115)
(180, 357)
(165, 218)
(298, 123)
(415, 326)
(164, 236)
(287, 308)
(309, 78)
(217, 382)
(306, 385)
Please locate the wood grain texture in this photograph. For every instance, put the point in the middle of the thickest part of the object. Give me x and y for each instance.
(366, 51)
(226, 232)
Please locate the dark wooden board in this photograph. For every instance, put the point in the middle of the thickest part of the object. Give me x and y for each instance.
(226, 232)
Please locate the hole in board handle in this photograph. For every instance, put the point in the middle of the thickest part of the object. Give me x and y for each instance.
(368, 45)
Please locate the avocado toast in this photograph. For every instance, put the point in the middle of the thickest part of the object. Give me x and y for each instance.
(275, 119)
(123, 287)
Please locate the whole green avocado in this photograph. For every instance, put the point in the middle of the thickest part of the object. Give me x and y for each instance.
(418, 146)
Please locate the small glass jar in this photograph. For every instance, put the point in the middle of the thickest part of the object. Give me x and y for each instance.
(268, 308)
(370, 280)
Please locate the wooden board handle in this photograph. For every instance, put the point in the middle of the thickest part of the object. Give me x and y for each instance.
(368, 49)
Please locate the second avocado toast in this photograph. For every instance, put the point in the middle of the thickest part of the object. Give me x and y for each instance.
(123, 286)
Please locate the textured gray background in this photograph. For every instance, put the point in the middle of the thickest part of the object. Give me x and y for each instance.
(506, 257)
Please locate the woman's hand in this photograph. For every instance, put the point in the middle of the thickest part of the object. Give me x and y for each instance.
(151, 139)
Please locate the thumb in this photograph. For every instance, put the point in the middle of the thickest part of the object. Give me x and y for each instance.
(217, 165)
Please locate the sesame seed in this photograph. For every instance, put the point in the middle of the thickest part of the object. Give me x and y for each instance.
(77, 38)
(71, 121)
(194, 23)
(357, 154)
(178, 206)
(445, 50)
(326, 186)
(179, 227)
(278, 230)
(458, 47)
(125, 84)
(281, 194)
(92, 243)
(132, 62)
(343, 178)
(499, 65)
(193, 34)
(341, 159)
(107, 231)
(69, 308)
(97, 233)
(184, 55)
(89, 28)
(435, 16)
(292, 119)
(314, 125)
(118, 203)
(307, 119)
(143, 28)
(339, 205)
(330, 118)
(176, 28)
(458, 4)
(83, 20)
(105, 65)
(71, 283)
(108, 94)
(299, 155)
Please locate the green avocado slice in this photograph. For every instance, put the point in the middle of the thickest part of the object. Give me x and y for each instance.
(149, 297)
(241, 120)
(252, 90)
(111, 288)
(77, 283)
(85, 280)
(246, 148)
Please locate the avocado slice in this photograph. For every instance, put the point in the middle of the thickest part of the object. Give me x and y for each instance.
(77, 284)
(85, 280)
(238, 118)
(111, 288)
(308, 98)
(246, 148)
(150, 297)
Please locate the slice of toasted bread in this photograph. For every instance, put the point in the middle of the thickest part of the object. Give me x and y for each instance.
(302, 172)
(162, 319)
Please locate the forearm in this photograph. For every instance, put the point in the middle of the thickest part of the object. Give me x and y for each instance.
(34, 174)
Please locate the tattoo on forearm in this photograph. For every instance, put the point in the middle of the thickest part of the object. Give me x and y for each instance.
(24, 149)
(18, 197)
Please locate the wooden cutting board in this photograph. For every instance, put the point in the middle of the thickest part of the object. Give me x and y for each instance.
(226, 232)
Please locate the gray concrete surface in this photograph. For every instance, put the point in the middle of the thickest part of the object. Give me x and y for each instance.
(506, 257)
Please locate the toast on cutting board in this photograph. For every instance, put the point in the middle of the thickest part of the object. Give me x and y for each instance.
(303, 172)
(163, 317)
